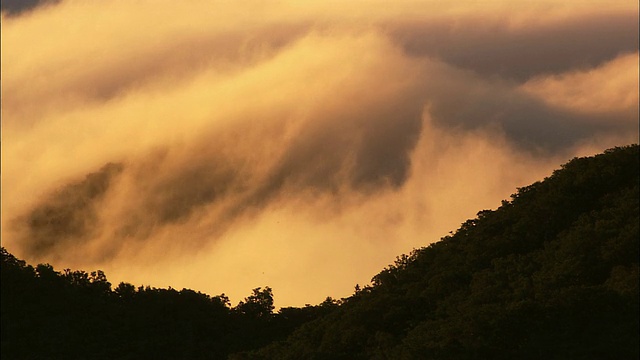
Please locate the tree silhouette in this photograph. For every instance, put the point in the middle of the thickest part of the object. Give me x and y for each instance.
(257, 305)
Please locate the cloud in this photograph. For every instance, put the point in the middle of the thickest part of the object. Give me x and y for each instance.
(223, 147)
(518, 50)
(608, 90)
(360, 142)
(17, 7)
(461, 98)
(68, 215)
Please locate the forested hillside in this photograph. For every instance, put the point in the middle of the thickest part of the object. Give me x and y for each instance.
(551, 274)
(48, 314)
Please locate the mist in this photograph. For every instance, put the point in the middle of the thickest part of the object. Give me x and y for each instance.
(222, 147)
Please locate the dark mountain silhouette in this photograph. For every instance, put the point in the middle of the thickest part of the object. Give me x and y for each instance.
(77, 315)
(551, 274)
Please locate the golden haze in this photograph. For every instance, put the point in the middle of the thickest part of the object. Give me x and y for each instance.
(301, 147)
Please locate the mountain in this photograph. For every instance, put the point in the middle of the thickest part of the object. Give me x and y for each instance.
(552, 273)
(48, 314)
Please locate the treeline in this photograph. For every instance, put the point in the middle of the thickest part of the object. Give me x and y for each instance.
(551, 274)
(48, 314)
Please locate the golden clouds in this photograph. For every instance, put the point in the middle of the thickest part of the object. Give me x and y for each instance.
(611, 88)
(300, 147)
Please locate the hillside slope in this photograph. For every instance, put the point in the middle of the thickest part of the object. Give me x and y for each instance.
(551, 274)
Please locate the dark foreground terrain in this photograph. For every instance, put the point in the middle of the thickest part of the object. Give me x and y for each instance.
(551, 274)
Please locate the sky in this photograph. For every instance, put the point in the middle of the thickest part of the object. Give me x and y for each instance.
(227, 145)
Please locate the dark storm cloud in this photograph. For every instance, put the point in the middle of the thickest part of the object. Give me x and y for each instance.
(493, 47)
(366, 149)
(69, 215)
(171, 200)
(528, 122)
(373, 143)
(69, 218)
(17, 7)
